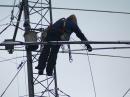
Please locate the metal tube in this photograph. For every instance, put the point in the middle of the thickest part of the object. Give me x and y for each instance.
(64, 42)
(29, 53)
(18, 21)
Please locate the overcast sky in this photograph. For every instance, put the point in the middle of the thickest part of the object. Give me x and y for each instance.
(110, 74)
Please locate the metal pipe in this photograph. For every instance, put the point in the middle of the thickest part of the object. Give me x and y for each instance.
(64, 42)
(29, 53)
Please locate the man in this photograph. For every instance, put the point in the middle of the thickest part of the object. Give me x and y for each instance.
(59, 31)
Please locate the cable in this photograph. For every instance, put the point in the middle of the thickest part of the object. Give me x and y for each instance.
(91, 10)
(18, 85)
(104, 48)
(4, 29)
(72, 51)
(91, 75)
(75, 9)
(4, 24)
(13, 79)
(90, 71)
(92, 54)
(12, 12)
(107, 48)
(4, 18)
(97, 55)
(5, 60)
(12, 58)
(11, 18)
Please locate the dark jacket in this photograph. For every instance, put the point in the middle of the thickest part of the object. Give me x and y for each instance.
(64, 28)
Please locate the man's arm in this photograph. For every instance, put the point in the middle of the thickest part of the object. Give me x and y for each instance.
(80, 35)
(78, 32)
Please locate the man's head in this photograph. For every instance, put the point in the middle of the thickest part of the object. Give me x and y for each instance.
(73, 18)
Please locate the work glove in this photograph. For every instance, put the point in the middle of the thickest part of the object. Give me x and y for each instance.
(89, 48)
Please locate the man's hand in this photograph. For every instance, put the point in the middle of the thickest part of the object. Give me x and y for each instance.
(89, 48)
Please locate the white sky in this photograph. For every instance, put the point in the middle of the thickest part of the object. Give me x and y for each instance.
(111, 75)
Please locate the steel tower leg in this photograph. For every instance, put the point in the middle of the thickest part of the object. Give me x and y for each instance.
(29, 53)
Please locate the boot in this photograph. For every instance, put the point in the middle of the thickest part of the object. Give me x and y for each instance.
(40, 72)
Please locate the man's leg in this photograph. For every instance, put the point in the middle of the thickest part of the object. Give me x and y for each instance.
(52, 59)
(43, 59)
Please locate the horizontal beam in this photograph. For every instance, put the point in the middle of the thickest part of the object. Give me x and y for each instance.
(8, 6)
(103, 48)
(64, 42)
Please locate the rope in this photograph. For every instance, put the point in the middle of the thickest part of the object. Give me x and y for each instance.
(90, 71)
(12, 79)
(91, 75)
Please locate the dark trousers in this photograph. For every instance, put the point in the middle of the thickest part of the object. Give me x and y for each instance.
(48, 58)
